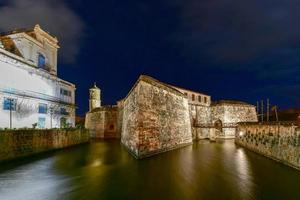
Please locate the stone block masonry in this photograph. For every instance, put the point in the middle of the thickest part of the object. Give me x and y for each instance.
(103, 122)
(279, 141)
(20, 143)
(155, 118)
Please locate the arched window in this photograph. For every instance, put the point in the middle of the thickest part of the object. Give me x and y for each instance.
(41, 61)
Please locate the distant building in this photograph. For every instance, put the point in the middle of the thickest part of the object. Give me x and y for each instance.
(31, 94)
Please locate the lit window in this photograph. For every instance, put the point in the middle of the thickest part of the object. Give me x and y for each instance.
(41, 61)
(199, 98)
(9, 104)
(42, 108)
(41, 122)
(193, 97)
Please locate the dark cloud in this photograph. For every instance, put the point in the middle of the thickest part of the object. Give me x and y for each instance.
(261, 38)
(288, 93)
(238, 32)
(53, 15)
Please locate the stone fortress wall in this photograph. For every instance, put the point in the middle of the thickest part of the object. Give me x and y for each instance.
(219, 120)
(229, 114)
(278, 141)
(156, 117)
(103, 122)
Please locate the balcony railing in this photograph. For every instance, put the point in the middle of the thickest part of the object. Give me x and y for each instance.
(36, 95)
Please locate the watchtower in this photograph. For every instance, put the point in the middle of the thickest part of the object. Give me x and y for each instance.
(95, 98)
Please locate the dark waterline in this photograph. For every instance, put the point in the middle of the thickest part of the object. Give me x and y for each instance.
(104, 170)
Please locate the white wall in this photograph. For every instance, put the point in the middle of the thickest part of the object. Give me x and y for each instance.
(17, 77)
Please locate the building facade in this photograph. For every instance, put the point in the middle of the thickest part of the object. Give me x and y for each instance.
(31, 94)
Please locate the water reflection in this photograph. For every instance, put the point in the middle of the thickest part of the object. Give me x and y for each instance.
(32, 181)
(244, 174)
(105, 170)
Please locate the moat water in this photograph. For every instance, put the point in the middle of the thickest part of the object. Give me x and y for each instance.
(105, 170)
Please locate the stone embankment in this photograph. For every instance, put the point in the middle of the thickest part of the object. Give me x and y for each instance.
(20, 143)
(279, 141)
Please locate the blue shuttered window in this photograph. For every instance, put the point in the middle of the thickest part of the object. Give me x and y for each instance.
(43, 108)
(9, 103)
(41, 61)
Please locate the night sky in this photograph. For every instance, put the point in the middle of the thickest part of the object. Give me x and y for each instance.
(242, 50)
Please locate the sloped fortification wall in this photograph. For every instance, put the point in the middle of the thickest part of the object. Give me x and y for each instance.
(20, 143)
(156, 119)
(130, 131)
(280, 142)
(103, 122)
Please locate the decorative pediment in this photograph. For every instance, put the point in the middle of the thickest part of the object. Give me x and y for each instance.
(43, 36)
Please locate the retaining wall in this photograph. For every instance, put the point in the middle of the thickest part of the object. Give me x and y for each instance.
(279, 141)
(20, 143)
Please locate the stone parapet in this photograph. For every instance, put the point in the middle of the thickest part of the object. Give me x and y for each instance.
(20, 143)
(279, 141)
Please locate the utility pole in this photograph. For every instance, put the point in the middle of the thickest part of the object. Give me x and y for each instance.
(276, 113)
(257, 109)
(262, 110)
(268, 110)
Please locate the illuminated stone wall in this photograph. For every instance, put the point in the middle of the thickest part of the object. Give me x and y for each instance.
(200, 117)
(230, 113)
(233, 113)
(156, 118)
(20, 143)
(120, 105)
(103, 122)
(280, 142)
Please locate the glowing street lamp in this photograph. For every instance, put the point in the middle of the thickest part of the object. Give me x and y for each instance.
(241, 133)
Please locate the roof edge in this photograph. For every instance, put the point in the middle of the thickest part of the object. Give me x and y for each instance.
(155, 82)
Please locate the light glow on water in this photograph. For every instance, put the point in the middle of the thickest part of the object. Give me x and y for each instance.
(105, 170)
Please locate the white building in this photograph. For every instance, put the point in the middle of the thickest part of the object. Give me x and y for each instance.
(30, 91)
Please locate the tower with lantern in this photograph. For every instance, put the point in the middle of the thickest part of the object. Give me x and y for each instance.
(95, 98)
